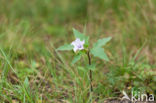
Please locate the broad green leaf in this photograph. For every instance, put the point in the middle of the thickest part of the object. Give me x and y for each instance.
(99, 52)
(91, 67)
(76, 58)
(102, 42)
(81, 36)
(65, 47)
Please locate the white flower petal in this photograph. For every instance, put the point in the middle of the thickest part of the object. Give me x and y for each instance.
(73, 43)
(75, 49)
(77, 40)
(83, 42)
(78, 44)
(81, 48)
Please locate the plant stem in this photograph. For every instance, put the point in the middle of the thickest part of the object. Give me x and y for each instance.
(90, 72)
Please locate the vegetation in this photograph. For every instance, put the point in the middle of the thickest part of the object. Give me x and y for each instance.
(33, 71)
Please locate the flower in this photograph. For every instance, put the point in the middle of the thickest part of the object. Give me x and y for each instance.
(78, 44)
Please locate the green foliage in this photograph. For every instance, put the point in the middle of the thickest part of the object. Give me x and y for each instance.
(99, 52)
(26, 83)
(65, 47)
(76, 58)
(91, 67)
(28, 36)
(80, 68)
(97, 49)
(81, 36)
(102, 42)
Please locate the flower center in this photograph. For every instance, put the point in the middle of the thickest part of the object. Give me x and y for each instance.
(79, 46)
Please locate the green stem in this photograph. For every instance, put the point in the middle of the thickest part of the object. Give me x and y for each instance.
(90, 72)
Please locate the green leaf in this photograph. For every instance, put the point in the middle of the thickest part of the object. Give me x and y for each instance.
(102, 42)
(81, 69)
(26, 83)
(91, 67)
(76, 58)
(65, 47)
(81, 36)
(99, 52)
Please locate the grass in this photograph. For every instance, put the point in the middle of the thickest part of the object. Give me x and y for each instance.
(32, 71)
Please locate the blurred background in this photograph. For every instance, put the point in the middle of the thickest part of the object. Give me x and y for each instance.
(31, 30)
(131, 21)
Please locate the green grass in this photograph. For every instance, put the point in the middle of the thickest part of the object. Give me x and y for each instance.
(32, 71)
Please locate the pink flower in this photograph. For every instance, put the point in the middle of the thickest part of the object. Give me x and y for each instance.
(78, 44)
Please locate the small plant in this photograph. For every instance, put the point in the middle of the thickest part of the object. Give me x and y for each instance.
(81, 47)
